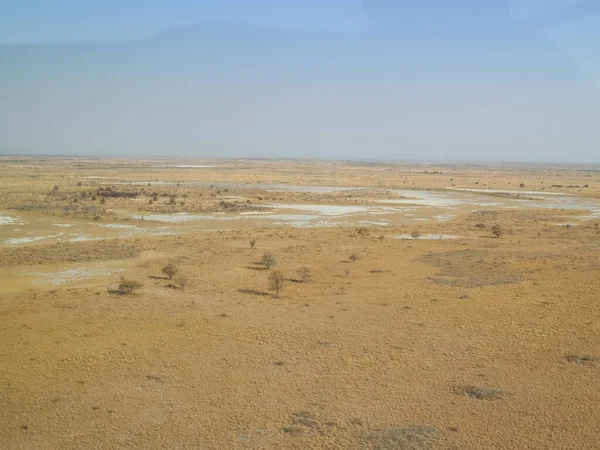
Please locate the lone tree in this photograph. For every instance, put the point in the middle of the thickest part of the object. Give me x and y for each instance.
(276, 279)
(497, 231)
(128, 286)
(252, 243)
(305, 273)
(268, 260)
(415, 234)
(170, 271)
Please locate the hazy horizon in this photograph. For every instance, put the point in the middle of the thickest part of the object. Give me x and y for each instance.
(344, 81)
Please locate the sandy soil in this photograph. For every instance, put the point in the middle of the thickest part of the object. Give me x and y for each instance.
(474, 342)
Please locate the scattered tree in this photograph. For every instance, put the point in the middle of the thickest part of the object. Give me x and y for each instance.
(170, 270)
(268, 260)
(305, 273)
(497, 231)
(127, 287)
(252, 243)
(415, 234)
(276, 279)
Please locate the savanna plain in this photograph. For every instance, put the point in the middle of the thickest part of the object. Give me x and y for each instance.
(255, 304)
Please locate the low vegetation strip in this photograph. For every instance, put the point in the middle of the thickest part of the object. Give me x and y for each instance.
(66, 252)
(472, 268)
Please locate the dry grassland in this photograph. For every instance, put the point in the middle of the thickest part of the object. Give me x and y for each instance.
(476, 342)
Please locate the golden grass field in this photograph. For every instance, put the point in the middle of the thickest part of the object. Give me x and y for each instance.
(474, 342)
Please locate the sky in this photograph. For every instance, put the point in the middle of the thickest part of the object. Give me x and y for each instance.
(346, 79)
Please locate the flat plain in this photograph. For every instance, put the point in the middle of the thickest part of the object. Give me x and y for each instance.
(422, 306)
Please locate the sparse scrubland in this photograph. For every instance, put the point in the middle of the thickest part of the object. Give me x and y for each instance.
(248, 333)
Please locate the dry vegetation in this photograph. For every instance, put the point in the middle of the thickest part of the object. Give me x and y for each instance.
(340, 337)
(66, 252)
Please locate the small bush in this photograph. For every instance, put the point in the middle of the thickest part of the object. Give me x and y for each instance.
(363, 231)
(268, 260)
(170, 271)
(415, 234)
(354, 257)
(497, 231)
(127, 287)
(381, 237)
(480, 393)
(583, 359)
(55, 187)
(305, 274)
(480, 226)
(252, 243)
(276, 280)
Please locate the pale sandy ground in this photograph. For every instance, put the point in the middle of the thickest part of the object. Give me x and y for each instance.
(471, 343)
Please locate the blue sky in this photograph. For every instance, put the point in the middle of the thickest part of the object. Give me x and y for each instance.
(90, 20)
(76, 20)
(432, 79)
